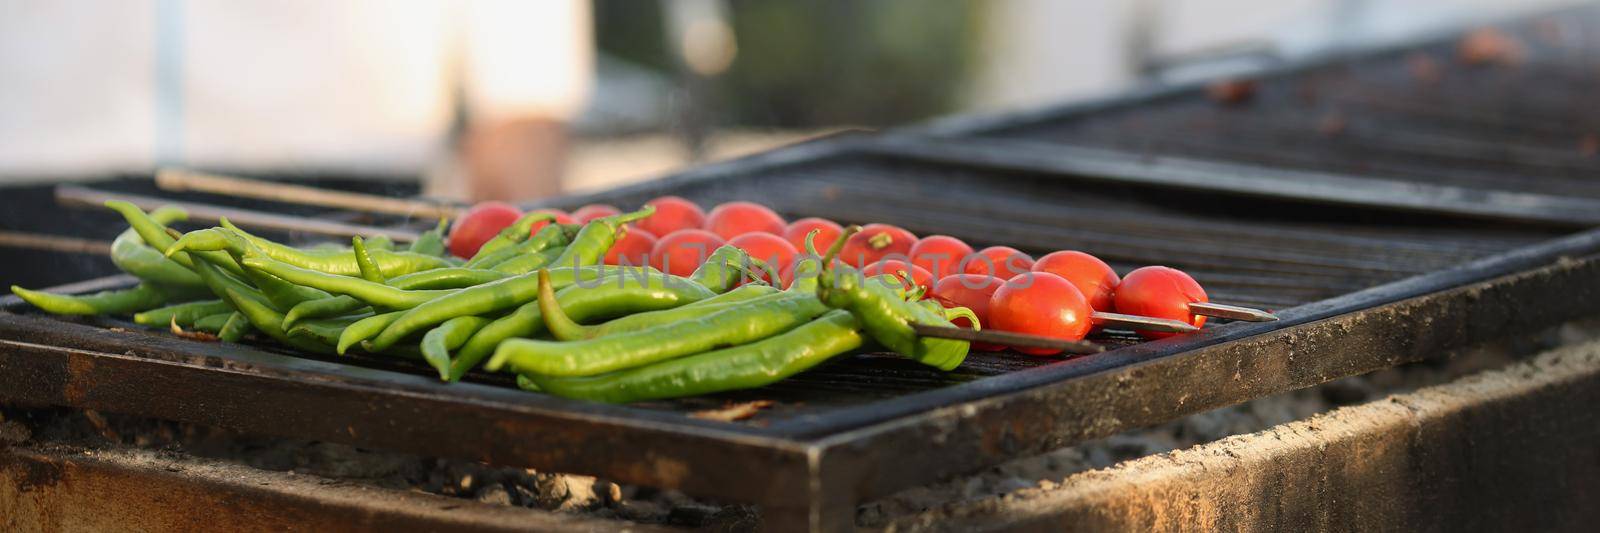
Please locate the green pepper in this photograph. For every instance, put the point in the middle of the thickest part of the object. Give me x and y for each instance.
(367, 291)
(590, 245)
(182, 314)
(431, 242)
(132, 255)
(155, 234)
(364, 263)
(887, 316)
(236, 328)
(622, 295)
(340, 262)
(739, 367)
(266, 320)
(755, 320)
(517, 232)
(324, 331)
(113, 302)
(212, 323)
(479, 300)
(438, 342)
(562, 327)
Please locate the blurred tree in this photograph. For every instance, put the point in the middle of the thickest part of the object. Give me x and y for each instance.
(818, 63)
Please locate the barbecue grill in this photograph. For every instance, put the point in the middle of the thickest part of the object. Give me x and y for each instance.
(1443, 213)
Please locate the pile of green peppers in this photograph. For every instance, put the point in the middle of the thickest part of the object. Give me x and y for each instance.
(539, 304)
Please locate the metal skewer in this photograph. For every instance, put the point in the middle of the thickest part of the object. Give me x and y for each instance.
(1008, 338)
(79, 196)
(173, 179)
(1231, 311)
(53, 243)
(1141, 323)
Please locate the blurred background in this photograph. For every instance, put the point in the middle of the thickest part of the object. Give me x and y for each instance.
(484, 99)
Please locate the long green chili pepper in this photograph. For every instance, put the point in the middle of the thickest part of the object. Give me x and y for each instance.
(482, 299)
(280, 294)
(581, 303)
(236, 328)
(562, 327)
(341, 262)
(431, 242)
(212, 323)
(755, 320)
(364, 263)
(113, 302)
(739, 367)
(809, 266)
(366, 291)
(517, 232)
(379, 242)
(887, 317)
(323, 331)
(183, 314)
(525, 263)
(596, 237)
(438, 342)
(155, 234)
(324, 308)
(445, 278)
(270, 322)
(529, 255)
(132, 255)
(726, 266)
(364, 329)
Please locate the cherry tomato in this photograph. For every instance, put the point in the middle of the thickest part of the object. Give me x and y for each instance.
(919, 276)
(1003, 262)
(797, 231)
(672, 214)
(594, 211)
(561, 218)
(939, 254)
(1086, 272)
(1160, 292)
(733, 219)
(633, 248)
(876, 241)
(1040, 303)
(682, 251)
(971, 291)
(767, 247)
(480, 224)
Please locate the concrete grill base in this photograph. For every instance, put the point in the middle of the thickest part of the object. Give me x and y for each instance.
(60, 488)
(1510, 449)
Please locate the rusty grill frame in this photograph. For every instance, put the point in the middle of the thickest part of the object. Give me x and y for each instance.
(811, 471)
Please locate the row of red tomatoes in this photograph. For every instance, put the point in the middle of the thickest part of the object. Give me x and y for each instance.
(1054, 295)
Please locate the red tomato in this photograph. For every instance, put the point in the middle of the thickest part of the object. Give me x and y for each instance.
(634, 247)
(971, 291)
(672, 214)
(1003, 262)
(479, 225)
(1160, 292)
(682, 251)
(797, 231)
(876, 241)
(1086, 272)
(919, 277)
(733, 219)
(561, 218)
(939, 254)
(1040, 303)
(594, 211)
(767, 247)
